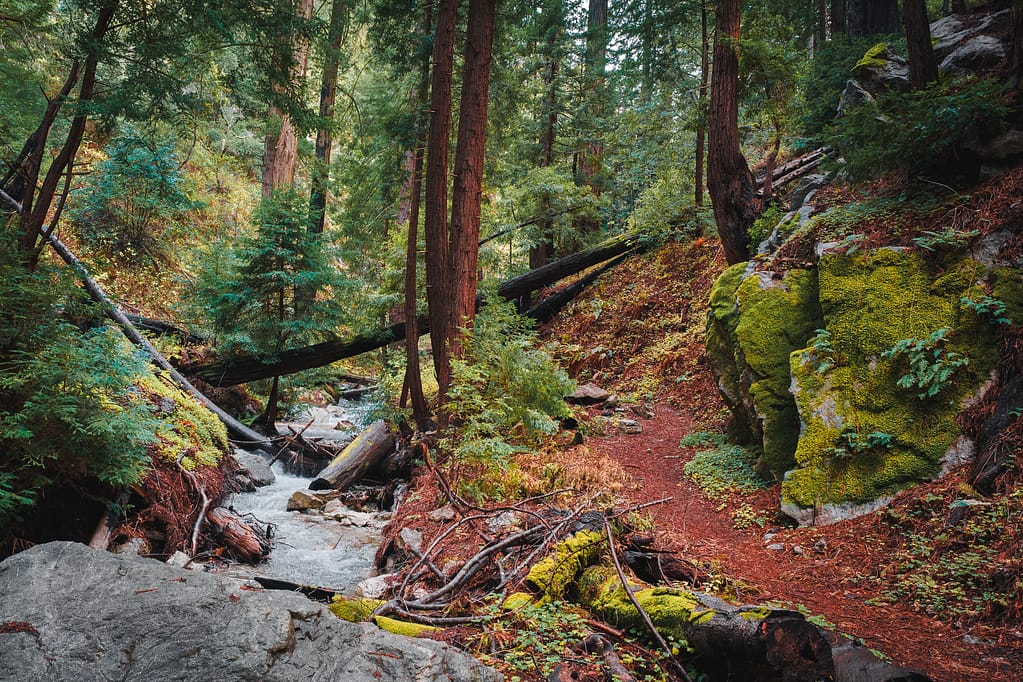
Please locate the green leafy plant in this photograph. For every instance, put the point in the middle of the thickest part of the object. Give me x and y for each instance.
(987, 307)
(823, 351)
(855, 442)
(69, 408)
(948, 239)
(723, 470)
(505, 390)
(134, 196)
(931, 365)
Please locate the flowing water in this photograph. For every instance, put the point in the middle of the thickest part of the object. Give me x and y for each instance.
(311, 549)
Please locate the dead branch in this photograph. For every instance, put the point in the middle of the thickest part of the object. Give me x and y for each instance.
(673, 662)
(598, 644)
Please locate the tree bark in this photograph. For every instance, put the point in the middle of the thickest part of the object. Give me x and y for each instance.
(413, 369)
(870, 17)
(591, 152)
(729, 179)
(435, 226)
(463, 252)
(280, 156)
(361, 455)
(923, 67)
(36, 204)
(324, 134)
(541, 251)
(838, 17)
(701, 127)
(1017, 44)
(237, 535)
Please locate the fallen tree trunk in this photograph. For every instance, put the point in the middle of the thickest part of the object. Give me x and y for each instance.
(237, 535)
(250, 368)
(361, 455)
(161, 328)
(235, 428)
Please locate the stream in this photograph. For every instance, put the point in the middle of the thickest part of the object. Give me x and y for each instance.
(316, 549)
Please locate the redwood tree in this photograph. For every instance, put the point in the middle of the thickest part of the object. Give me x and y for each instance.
(923, 67)
(869, 17)
(435, 225)
(463, 252)
(729, 179)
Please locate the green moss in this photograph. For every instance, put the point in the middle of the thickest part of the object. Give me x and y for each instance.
(354, 610)
(400, 627)
(516, 600)
(1007, 287)
(189, 433)
(670, 609)
(554, 574)
(754, 613)
(775, 318)
(870, 302)
(873, 58)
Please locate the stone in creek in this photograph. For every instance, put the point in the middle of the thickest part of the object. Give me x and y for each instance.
(255, 468)
(305, 500)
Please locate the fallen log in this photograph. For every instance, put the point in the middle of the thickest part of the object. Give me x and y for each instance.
(361, 455)
(240, 539)
(161, 328)
(240, 370)
(238, 431)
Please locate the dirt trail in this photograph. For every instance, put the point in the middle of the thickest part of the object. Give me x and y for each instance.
(820, 579)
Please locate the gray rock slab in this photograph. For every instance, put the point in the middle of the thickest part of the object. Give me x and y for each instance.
(89, 615)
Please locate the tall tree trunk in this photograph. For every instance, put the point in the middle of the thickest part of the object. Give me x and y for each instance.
(435, 227)
(838, 12)
(280, 156)
(591, 151)
(923, 67)
(541, 251)
(701, 128)
(822, 23)
(325, 133)
(35, 204)
(728, 179)
(870, 17)
(413, 371)
(959, 7)
(468, 182)
(1017, 44)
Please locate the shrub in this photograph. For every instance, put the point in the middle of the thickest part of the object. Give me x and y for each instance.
(69, 409)
(917, 132)
(504, 389)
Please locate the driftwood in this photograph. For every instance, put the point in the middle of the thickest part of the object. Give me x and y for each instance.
(361, 455)
(250, 368)
(240, 539)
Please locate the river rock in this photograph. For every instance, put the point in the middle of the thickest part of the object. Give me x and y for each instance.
(629, 426)
(255, 468)
(88, 615)
(977, 53)
(588, 394)
(305, 500)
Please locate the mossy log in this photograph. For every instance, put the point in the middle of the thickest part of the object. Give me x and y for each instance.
(250, 368)
(361, 455)
(731, 642)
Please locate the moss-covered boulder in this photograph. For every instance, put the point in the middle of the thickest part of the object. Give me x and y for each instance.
(878, 393)
(755, 323)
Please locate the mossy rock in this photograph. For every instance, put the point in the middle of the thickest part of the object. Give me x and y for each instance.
(401, 627)
(723, 351)
(556, 573)
(777, 314)
(870, 302)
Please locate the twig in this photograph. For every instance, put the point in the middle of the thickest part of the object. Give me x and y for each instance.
(637, 507)
(673, 662)
(203, 508)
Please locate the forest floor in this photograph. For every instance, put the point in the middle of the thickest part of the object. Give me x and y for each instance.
(640, 332)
